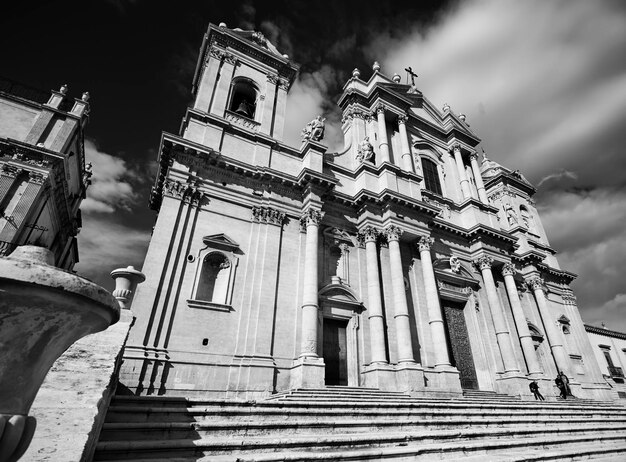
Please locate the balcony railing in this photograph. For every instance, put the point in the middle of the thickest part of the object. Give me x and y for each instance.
(616, 372)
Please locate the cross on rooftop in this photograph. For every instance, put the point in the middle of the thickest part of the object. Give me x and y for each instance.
(412, 74)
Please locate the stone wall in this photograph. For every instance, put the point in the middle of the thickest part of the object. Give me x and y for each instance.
(72, 402)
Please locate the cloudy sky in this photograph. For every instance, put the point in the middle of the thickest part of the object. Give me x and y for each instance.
(542, 82)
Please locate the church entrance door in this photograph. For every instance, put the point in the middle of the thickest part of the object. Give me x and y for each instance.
(335, 352)
(459, 344)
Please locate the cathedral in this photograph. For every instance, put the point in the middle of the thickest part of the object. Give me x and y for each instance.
(407, 261)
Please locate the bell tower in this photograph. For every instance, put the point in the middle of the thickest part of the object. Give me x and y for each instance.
(240, 80)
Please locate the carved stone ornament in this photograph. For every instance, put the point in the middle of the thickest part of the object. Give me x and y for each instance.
(393, 233)
(268, 215)
(365, 152)
(484, 262)
(403, 118)
(505, 191)
(455, 264)
(510, 214)
(10, 170)
(311, 217)
(356, 113)
(36, 178)
(569, 298)
(380, 108)
(369, 234)
(229, 58)
(473, 156)
(425, 243)
(536, 283)
(508, 269)
(314, 130)
(283, 84)
(215, 52)
(344, 249)
(173, 189)
(455, 147)
(272, 79)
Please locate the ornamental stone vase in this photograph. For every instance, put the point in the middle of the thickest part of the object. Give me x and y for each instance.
(43, 310)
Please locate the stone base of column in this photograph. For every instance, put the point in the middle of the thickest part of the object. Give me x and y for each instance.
(307, 373)
(443, 379)
(380, 375)
(516, 384)
(410, 378)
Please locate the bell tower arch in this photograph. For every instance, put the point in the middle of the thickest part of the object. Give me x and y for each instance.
(242, 78)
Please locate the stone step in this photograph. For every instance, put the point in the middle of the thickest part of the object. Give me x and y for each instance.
(330, 413)
(228, 428)
(456, 440)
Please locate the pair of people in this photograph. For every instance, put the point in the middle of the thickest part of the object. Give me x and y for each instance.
(562, 383)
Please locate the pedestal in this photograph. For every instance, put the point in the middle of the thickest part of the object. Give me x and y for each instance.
(409, 378)
(307, 373)
(381, 376)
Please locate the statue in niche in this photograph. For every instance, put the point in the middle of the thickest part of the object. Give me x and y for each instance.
(511, 216)
(314, 130)
(365, 152)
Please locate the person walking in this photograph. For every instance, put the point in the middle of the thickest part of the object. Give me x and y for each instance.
(534, 387)
(565, 380)
(561, 386)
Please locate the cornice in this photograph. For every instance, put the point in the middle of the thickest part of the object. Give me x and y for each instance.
(605, 332)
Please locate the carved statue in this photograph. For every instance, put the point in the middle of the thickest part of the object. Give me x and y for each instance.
(511, 216)
(455, 264)
(314, 130)
(365, 152)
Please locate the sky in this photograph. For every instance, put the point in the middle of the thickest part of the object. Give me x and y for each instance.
(542, 82)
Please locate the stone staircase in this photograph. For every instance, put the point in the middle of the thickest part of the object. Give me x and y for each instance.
(344, 423)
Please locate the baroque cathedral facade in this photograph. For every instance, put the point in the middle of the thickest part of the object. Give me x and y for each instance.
(403, 262)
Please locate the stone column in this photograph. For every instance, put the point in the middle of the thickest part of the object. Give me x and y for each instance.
(220, 98)
(383, 146)
(375, 310)
(267, 108)
(480, 186)
(555, 338)
(435, 315)
(403, 329)
(311, 219)
(497, 313)
(407, 164)
(528, 348)
(465, 187)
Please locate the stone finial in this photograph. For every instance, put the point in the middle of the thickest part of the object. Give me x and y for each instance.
(126, 281)
(63, 89)
(356, 73)
(286, 56)
(462, 117)
(376, 66)
(222, 24)
(396, 78)
(86, 96)
(446, 107)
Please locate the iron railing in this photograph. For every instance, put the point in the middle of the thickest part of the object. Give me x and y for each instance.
(616, 371)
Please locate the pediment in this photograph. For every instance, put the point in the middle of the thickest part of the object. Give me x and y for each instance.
(220, 241)
(340, 294)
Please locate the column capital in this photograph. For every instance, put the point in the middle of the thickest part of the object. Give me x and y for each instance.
(536, 283)
(425, 243)
(455, 147)
(484, 262)
(272, 78)
(402, 119)
(569, 298)
(368, 234)
(393, 233)
(311, 217)
(268, 215)
(473, 155)
(508, 269)
(380, 108)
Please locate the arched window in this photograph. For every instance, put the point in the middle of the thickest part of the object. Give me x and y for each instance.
(243, 98)
(213, 283)
(431, 176)
(527, 218)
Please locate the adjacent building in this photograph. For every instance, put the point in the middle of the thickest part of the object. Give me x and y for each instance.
(609, 347)
(43, 176)
(404, 261)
